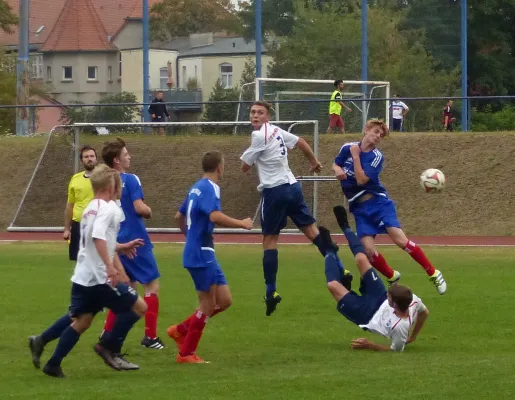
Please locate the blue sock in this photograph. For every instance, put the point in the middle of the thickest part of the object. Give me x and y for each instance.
(67, 341)
(124, 322)
(354, 242)
(57, 329)
(318, 242)
(332, 272)
(270, 267)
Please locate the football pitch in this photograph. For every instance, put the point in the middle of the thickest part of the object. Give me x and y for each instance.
(465, 350)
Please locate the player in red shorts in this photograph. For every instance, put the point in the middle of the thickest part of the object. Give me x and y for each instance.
(335, 108)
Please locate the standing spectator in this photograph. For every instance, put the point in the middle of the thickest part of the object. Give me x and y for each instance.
(335, 108)
(448, 118)
(399, 111)
(158, 111)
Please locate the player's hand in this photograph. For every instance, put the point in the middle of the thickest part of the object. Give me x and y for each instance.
(340, 174)
(247, 223)
(360, 344)
(112, 275)
(349, 109)
(355, 151)
(411, 339)
(66, 234)
(315, 167)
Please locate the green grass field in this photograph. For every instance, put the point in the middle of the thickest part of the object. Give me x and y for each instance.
(301, 352)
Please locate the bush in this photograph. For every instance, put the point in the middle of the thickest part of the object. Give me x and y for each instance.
(489, 120)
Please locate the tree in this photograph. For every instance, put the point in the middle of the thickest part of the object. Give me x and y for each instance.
(174, 18)
(7, 18)
(7, 97)
(220, 111)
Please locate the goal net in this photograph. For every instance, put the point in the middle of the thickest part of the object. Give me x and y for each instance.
(166, 165)
(309, 99)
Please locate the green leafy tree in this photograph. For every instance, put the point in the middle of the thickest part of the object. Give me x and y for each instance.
(8, 19)
(220, 111)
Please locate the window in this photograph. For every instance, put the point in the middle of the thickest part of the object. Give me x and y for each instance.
(110, 74)
(163, 78)
(67, 73)
(36, 63)
(226, 75)
(48, 73)
(184, 77)
(92, 73)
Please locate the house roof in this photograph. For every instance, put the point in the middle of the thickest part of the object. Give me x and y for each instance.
(225, 46)
(78, 28)
(137, 9)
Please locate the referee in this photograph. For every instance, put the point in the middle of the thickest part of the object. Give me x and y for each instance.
(80, 193)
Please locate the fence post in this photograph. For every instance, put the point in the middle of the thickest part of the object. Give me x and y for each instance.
(76, 140)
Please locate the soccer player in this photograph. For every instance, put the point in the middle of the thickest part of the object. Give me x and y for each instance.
(399, 111)
(95, 285)
(143, 267)
(281, 194)
(197, 216)
(158, 111)
(80, 193)
(389, 313)
(335, 108)
(357, 167)
(448, 118)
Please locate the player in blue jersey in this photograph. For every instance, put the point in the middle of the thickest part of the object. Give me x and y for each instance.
(143, 267)
(357, 167)
(197, 217)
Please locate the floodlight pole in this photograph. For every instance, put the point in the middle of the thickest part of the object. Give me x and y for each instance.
(364, 54)
(22, 72)
(257, 36)
(146, 60)
(464, 68)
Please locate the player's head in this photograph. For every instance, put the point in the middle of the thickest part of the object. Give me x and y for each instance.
(213, 163)
(88, 157)
(400, 297)
(102, 181)
(375, 130)
(338, 84)
(449, 103)
(116, 156)
(259, 114)
(160, 94)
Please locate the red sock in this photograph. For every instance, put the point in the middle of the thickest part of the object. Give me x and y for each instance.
(418, 255)
(183, 327)
(380, 264)
(151, 315)
(192, 339)
(110, 320)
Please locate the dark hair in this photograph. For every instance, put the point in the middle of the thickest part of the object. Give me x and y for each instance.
(211, 160)
(402, 296)
(87, 147)
(112, 150)
(337, 82)
(262, 103)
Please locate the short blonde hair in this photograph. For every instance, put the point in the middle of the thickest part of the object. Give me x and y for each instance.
(371, 123)
(102, 178)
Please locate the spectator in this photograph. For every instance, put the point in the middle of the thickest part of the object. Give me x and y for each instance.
(335, 108)
(448, 118)
(399, 110)
(158, 111)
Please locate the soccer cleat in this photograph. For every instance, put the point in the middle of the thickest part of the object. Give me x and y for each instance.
(341, 216)
(124, 364)
(346, 279)
(155, 343)
(394, 279)
(108, 356)
(191, 359)
(54, 371)
(437, 280)
(174, 334)
(325, 234)
(36, 346)
(271, 303)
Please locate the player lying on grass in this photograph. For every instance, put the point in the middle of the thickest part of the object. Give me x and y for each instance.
(357, 167)
(197, 217)
(391, 313)
(96, 283)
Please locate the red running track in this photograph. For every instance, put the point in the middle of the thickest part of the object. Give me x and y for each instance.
(291, 239)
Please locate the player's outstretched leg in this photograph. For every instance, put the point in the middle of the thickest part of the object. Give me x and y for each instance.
(377, 260)
(37, 343)
(344, 276)
(270, 268)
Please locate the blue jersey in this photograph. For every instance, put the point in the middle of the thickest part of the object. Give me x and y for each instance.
(133, 227)
(203, 198)
(372, 164)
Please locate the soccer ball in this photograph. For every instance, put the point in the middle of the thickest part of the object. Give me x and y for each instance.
(432, 180)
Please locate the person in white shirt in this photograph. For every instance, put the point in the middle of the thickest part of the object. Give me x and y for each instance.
(399, 111)
(96, 283)
(391, 313)
(281, 194)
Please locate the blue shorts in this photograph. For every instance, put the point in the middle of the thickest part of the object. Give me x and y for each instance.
(143, 267)
(205, 277)
(373, 216)
(281, 202)
(361, 309)
(92, 299)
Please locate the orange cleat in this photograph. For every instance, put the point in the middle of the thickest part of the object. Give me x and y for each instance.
(176, 336)
(191, 359)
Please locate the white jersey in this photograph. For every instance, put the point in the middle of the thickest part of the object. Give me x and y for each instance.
(397, 109)
(386, 323)
(269, 151)
(100, 220)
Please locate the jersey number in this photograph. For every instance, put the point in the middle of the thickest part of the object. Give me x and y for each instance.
(188, 214)
(282, 146)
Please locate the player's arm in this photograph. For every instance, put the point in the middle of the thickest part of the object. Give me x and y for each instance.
(405, 109)
(99, 234)
(142, 209)
(365, 344)
(133, 185)
(181, 221)
(305, 148)
(119, 268)
(250, 156)
(129, 249)
(68, 214)
(220, 219)
(361, 177)
(339, 161)
(421, 320)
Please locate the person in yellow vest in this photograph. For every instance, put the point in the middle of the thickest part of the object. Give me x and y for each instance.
(335, 108)
(80, 193)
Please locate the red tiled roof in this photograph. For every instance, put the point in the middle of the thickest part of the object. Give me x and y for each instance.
(137, 9)
(78, 28)
(112, 13)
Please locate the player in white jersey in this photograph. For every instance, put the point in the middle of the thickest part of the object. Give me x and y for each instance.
(281, 194)
(95, 284)
(390, 313)
(399, 111)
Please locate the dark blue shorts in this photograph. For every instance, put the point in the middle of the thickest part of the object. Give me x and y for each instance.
(361, 309)
(373, 216)
(281, 202)
(205, 277)
(143, 267)
(92, 299)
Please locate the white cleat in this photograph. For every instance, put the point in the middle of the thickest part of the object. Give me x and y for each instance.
(395, 278)
(439, 282)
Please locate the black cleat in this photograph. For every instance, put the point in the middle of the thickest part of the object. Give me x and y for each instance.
(341, 216)
(155, 343)
(271, 303)
(54, 371)
(36, 346)
(108, 356)
(325, 234)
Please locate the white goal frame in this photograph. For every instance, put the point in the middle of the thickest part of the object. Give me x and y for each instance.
(77, 127)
